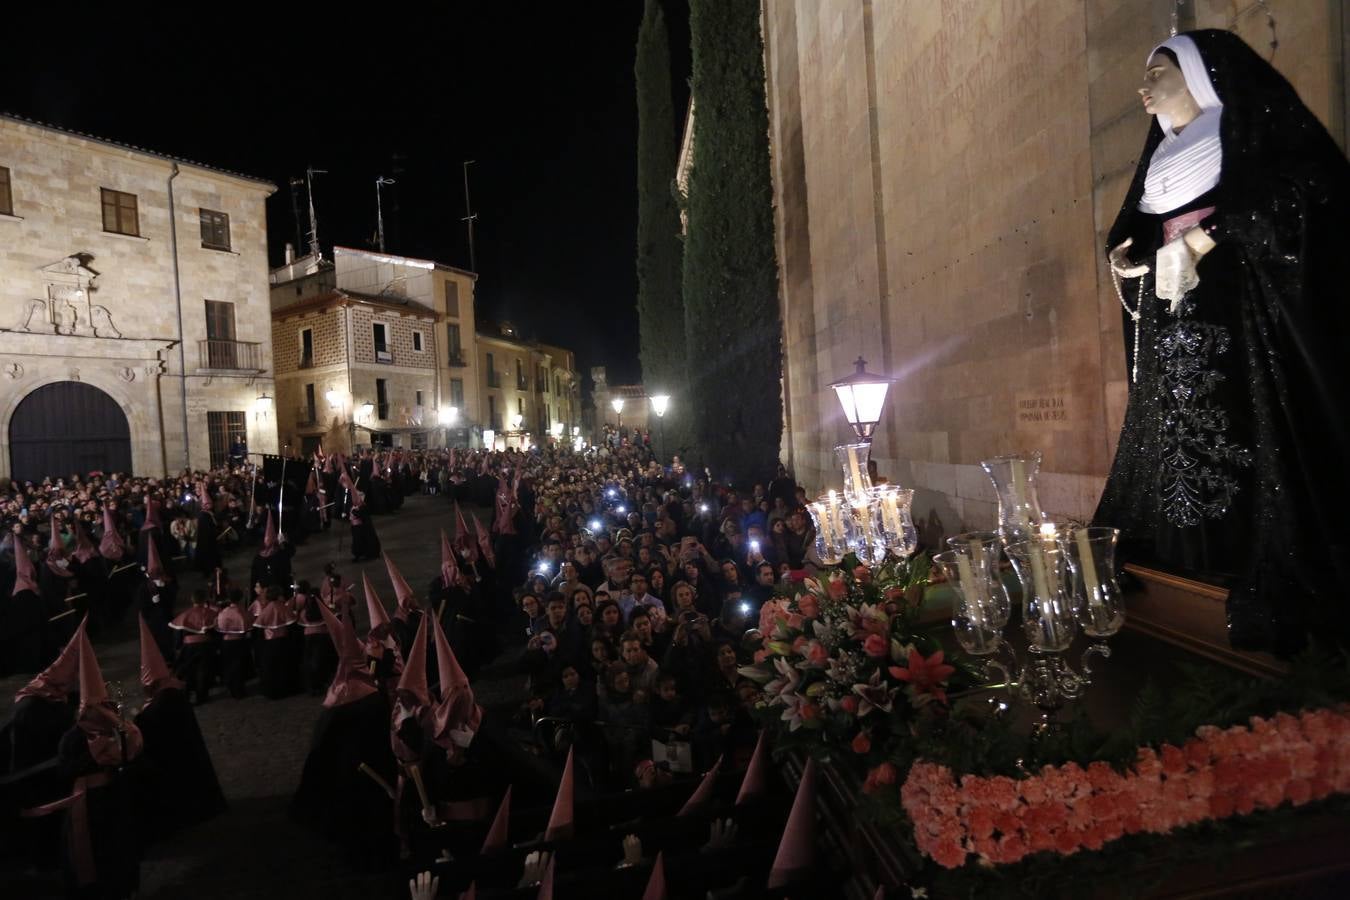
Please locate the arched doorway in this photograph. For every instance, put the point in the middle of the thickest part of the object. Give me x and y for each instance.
(68, 427)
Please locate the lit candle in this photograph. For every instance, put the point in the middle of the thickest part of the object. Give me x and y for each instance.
(1016, 475)
(1041, 584)
(856, 476)
(977, 553)
(1089, 565)
(890, 511)
(973, 591)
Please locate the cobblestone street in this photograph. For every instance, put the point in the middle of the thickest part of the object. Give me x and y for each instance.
(259, 747)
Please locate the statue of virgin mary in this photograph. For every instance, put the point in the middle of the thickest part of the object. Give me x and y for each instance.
(1229, 257)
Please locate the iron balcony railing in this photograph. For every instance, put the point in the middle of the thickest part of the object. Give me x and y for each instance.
(235, 355)
(306, 416)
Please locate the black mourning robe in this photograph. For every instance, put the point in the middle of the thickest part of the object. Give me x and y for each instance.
(176, 784)
(335, 797)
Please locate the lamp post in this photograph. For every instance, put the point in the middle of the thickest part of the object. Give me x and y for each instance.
(617, 403)
(449, 415)
(862, 395)
(660, 403)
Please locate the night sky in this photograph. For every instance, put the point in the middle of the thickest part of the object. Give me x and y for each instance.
(540, 95)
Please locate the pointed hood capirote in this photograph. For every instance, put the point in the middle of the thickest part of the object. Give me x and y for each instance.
(456, 717)
(756, 779)
(450, 575)
(58, 558)
(352, 680)
(269, 544)
(154, 569)
(797, 849)
(463, 542)
(25, 576)
(62, 678)
(379, 619)
(112, 740)
(561, 821)
(155, 674)
(703, 794)
(413, 681)
(656, 882)
(84, 547)
(151, 514)
(110, 544)
(498, 835)
(403, 594)
(484, 543)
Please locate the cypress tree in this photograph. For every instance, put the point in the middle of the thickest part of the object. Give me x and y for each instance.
(732, 320)
(660, 301)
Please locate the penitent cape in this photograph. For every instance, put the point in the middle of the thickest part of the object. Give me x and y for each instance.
(1231, 452)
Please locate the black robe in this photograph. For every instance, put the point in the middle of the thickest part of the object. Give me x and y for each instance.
(207, 556)
(176, 783)
(155, 603)
(339, 801)
(22, 625)
(33, 731)
(365, 542)
(1229, 457)
(113, 828)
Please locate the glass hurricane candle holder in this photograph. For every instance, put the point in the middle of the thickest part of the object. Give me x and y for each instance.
(857, 483)
(868, 540)
(1047, 608)
(973, 616)
(985, 548)
(896, 519)
(1019, 506)
(1091, 557)
(833, 528)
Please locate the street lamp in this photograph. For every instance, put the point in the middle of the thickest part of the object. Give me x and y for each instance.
(617, 403)
(862, 395)
(449, 415)
(660, 403)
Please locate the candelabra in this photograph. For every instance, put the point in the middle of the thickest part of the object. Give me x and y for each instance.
(1067, 576)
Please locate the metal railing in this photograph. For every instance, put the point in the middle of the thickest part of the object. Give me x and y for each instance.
(306, 416)
(457, 359)
(494, 379)
(234, 355)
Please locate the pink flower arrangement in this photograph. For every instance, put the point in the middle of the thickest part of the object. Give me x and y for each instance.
(842, 670)
(1064, 809)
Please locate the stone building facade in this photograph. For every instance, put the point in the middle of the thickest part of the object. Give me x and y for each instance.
(531, 392)
(944, 176)
(134, 328)
(374, 349)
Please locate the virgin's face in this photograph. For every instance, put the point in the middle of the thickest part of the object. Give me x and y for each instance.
(1164, 90)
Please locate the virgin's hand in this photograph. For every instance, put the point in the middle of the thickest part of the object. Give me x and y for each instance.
(1120, 261)
(1198, 242)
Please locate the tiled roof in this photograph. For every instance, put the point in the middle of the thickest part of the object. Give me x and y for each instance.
(132, 147)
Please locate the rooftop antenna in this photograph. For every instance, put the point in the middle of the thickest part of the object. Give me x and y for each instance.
(469, 216)
(379, 211)
(295, 206)
(313, 219)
